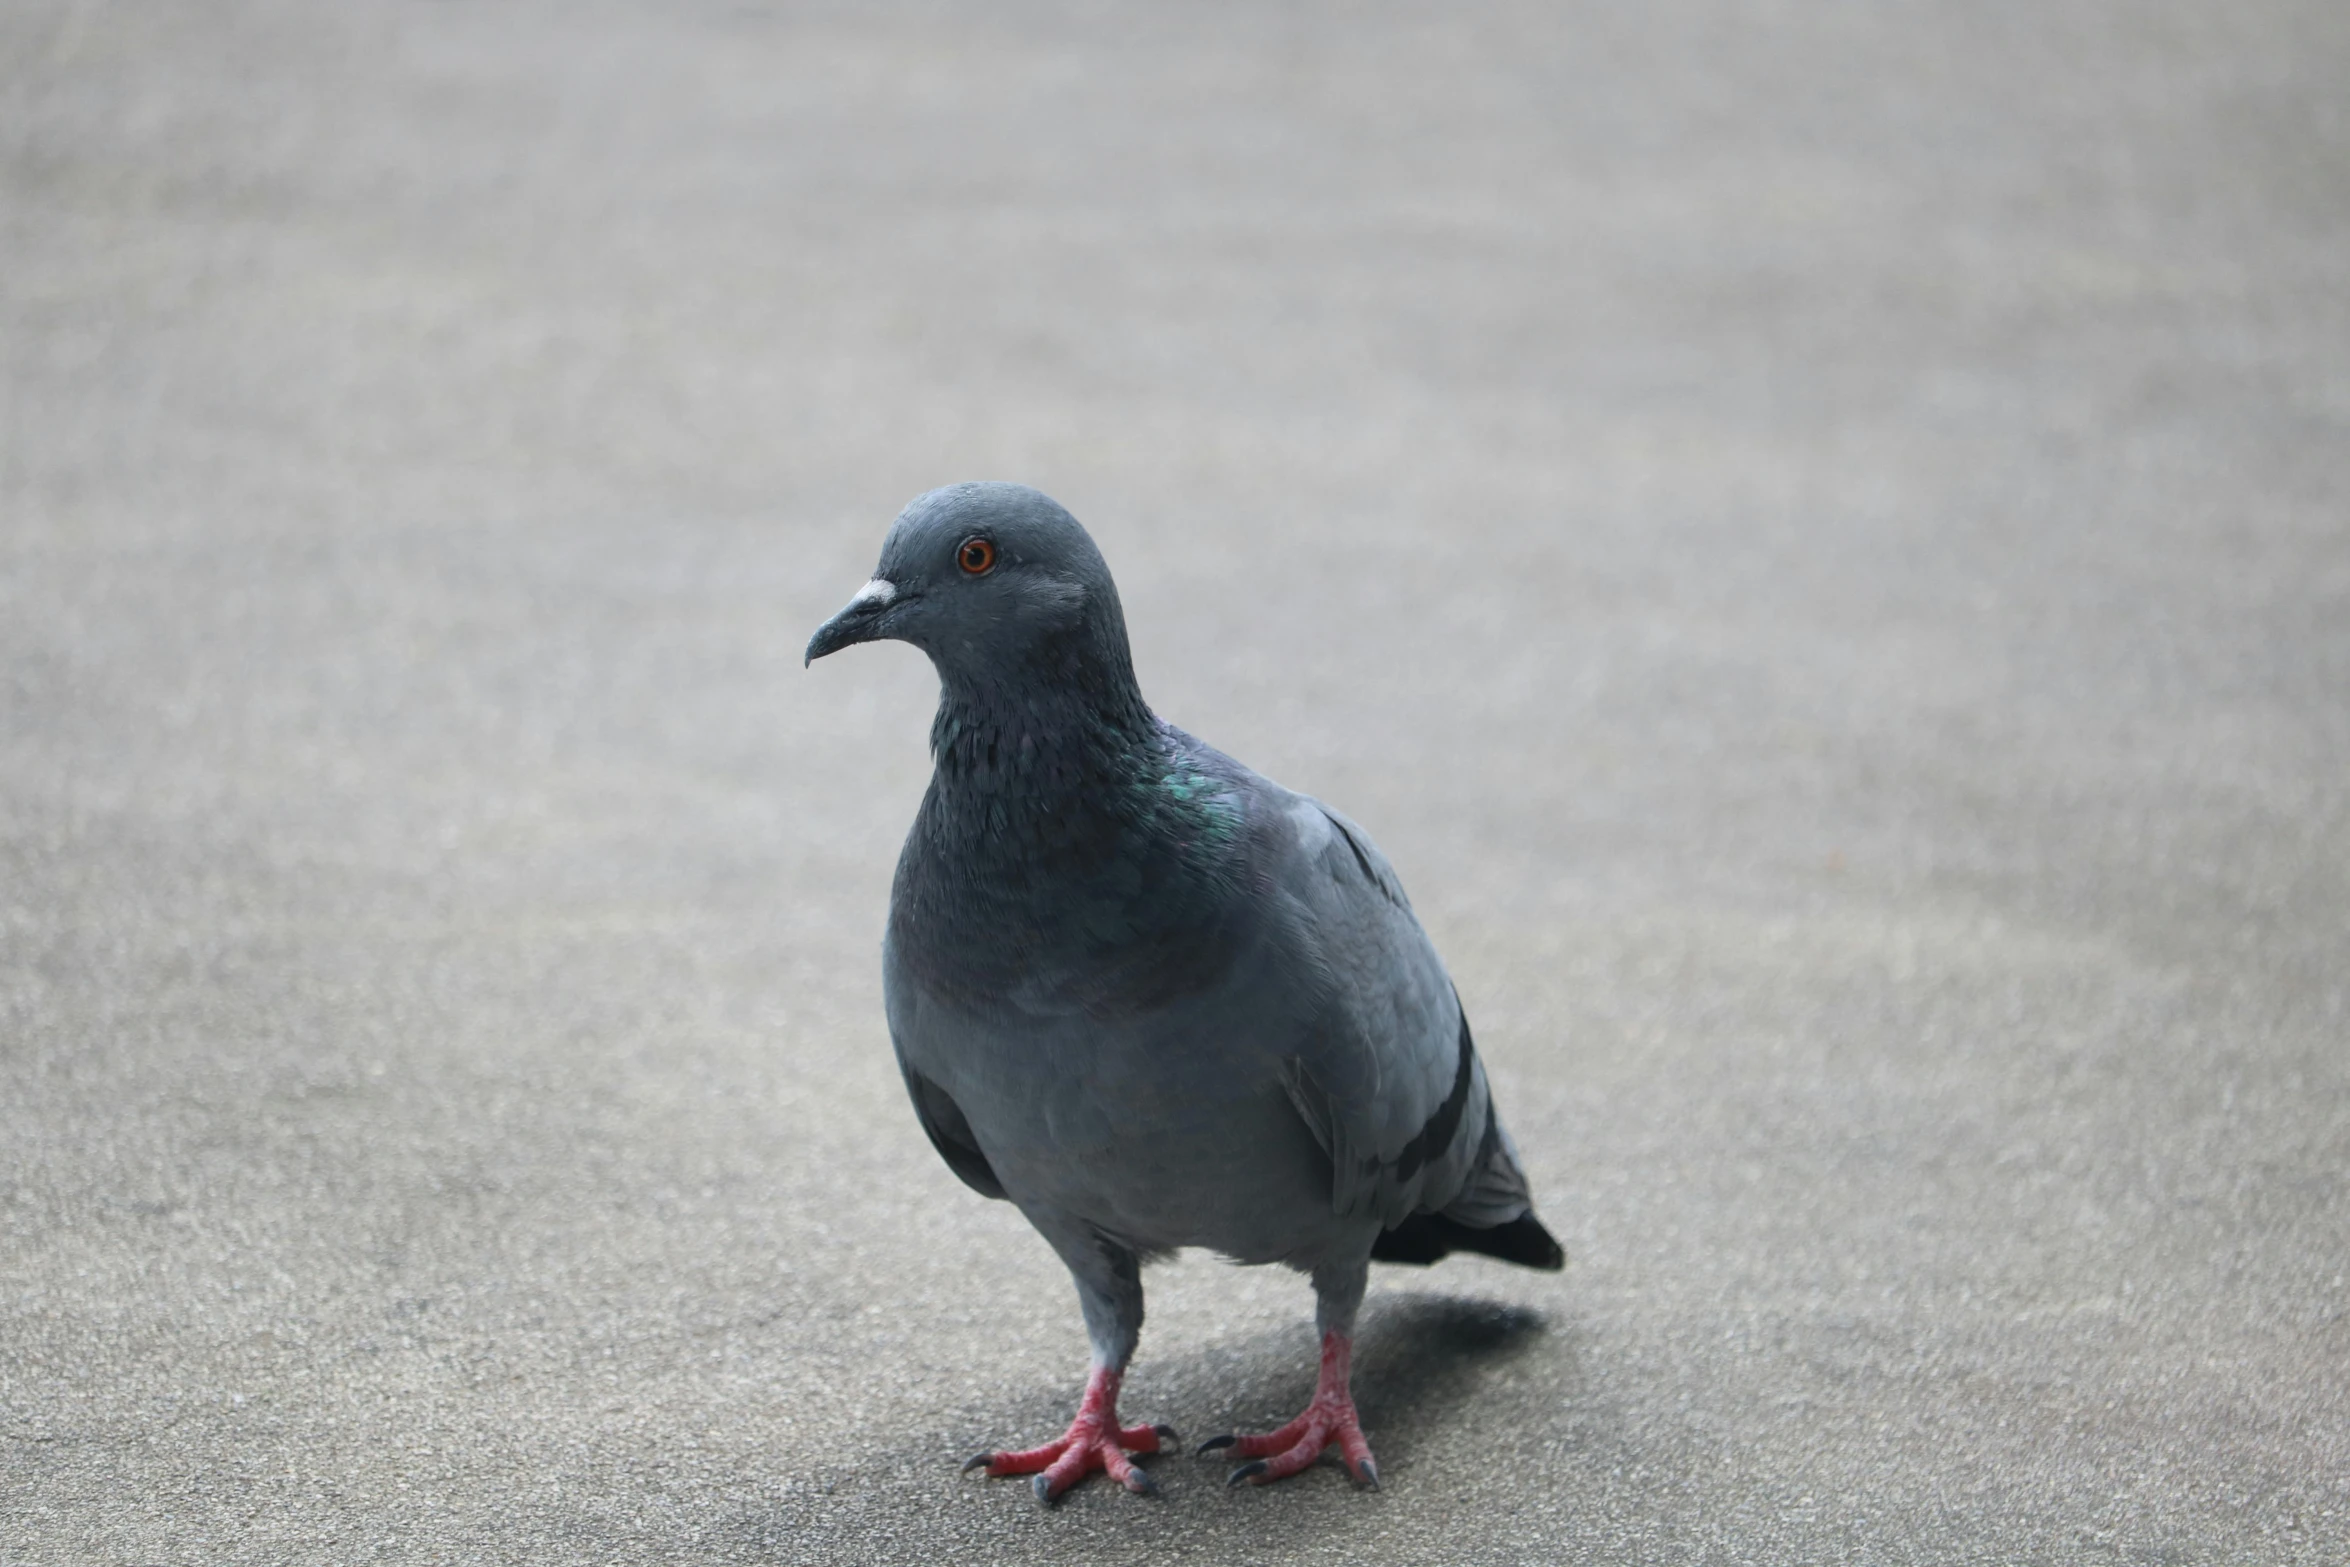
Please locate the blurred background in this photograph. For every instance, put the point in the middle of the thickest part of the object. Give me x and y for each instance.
(1813, 533)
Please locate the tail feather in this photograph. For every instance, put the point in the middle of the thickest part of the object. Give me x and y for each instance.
(1429, 1237)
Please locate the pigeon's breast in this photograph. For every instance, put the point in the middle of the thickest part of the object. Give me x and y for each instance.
(1163, 1126)
(1092, 911)
(1108, 995)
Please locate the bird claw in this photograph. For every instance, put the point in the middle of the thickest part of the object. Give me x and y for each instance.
(1094, 1441)
(1364, 1474)
(1213, 1443)
(1329, 1421)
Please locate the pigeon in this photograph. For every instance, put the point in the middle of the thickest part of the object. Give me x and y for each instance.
(1151, 998)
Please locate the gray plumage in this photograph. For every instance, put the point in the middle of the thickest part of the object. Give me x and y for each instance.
(1150, 997)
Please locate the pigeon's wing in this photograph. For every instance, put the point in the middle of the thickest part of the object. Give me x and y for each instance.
(942, 1120)
(1385, 1072)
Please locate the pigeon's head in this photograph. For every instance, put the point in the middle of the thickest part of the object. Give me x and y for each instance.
(997, 583)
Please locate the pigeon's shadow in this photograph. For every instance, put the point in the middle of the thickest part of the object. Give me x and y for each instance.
(1419, 1356)
(1421, 1359)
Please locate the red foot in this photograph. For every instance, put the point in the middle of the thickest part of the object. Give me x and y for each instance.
(1329, 1418)
(1093, 1441)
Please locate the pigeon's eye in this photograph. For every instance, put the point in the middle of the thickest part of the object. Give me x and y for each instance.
(976, 556)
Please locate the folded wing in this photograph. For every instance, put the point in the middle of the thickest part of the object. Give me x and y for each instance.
(1387, 1074)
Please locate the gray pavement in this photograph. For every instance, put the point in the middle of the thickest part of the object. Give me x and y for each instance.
(1817, 537)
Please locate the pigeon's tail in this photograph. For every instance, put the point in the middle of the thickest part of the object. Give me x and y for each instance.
(1429, 1237)
(1491, 1214)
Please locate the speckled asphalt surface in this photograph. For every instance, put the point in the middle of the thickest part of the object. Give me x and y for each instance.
(1817, 537)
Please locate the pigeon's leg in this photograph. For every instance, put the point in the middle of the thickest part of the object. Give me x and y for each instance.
(1109, 1289)
(1330, 1419)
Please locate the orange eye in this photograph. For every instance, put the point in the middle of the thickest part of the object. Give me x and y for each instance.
(976, 556)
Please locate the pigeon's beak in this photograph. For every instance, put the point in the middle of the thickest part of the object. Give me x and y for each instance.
(860, 621)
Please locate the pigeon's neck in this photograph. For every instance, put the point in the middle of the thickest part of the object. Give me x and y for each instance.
(1068, 850)
(1011, 753)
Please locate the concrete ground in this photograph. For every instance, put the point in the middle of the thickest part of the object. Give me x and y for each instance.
(1814, 534)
